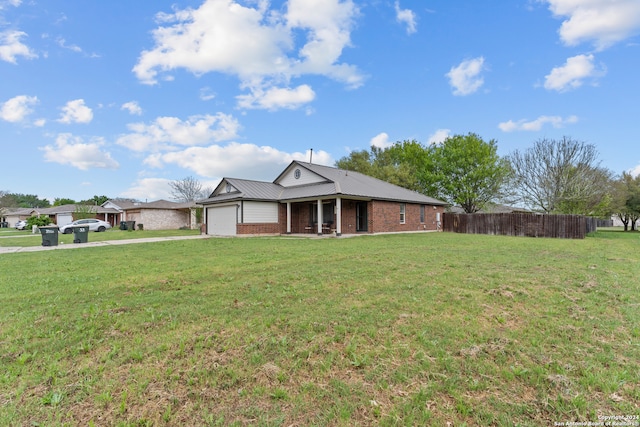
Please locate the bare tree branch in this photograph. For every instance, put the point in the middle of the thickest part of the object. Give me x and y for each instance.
(188, 189)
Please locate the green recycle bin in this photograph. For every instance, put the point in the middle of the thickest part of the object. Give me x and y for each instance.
(49, 235)
(81, 234)
(131, 225)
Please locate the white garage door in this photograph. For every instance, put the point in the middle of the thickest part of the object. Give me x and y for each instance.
(64, 219)
(222, 220)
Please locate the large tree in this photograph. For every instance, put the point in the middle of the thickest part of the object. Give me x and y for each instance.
(466, 171)
(388, 164)
(17, 200)
(626, 200)
(188, 189)
(60, 201)
(560, 176)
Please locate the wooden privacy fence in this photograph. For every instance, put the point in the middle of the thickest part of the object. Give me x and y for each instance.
(520, 224)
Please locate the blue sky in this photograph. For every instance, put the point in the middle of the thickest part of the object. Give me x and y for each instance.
(119, 98)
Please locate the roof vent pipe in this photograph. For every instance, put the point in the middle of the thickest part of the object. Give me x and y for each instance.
(311, 155)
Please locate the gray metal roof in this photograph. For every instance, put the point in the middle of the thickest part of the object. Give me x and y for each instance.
(339, 183)
(355, 184)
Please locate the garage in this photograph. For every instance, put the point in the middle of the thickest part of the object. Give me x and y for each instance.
(221, 220)
(64, 219)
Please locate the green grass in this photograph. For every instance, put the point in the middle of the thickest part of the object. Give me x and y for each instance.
(416, 329)
(16, 238)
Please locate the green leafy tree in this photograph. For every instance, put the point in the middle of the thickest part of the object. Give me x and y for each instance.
(29, 201)
(395, 164)
(95, 200)
(84, 212)
(62, 201)
(7, 200)
(466, 171)
(626, 200)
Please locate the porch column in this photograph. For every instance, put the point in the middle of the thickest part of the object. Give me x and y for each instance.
(338, 216)
(319, 216)
(288, 217)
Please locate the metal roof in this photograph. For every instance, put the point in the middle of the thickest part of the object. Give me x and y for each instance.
(338, 183)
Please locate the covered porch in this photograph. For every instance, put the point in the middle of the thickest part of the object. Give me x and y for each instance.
(327, 216)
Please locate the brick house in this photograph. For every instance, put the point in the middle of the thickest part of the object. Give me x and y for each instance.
(310, 198)
(157, 215)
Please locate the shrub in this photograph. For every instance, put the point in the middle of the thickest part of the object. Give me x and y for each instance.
(38, 221)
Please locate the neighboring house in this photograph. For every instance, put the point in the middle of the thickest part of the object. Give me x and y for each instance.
(65, 214)
(13, 215)
(310, 198)
(61, 215)
(158, 215)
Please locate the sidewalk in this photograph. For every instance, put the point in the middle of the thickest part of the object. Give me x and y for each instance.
(14, 249)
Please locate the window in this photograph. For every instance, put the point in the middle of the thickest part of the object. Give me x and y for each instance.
(403, 207)
(422, 208)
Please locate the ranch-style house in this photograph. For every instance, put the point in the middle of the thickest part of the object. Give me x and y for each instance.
(310, 198)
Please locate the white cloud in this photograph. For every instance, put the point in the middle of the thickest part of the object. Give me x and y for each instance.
(257, 45)
(15, 3)
(236, 160)
(275, 98)
(206, 94)
(76, 112)
(17, 108)
(132, 107)
(381, 140)
(149, 189)
(11, 47)
(573, 73)
(439, 136)
(167, 133)
(537, 124)
(635, 171)
(465, 78)
(407, 17)
(72, 150)
(72, 47)
(603, 22)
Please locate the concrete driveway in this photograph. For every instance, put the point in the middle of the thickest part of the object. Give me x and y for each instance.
(14, 249)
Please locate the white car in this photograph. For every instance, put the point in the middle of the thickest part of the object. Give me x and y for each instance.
(94, 225)
(21, 225)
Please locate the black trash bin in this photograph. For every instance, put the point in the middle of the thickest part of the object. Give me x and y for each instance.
(131, 225)
(81, 234)
(49, 235)
(123, 225)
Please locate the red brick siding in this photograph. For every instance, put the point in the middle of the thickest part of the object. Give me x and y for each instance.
(264, 228)
(385, 217)
(348, 217)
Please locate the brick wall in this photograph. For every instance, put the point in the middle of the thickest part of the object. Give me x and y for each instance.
(385, 217)
(264, 228)
(159, 219)
(382, 217)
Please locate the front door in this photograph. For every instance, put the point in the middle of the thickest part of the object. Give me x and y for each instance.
(362, 220)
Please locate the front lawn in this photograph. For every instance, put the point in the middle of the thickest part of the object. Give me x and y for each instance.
(416, 329)
(15, 238)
